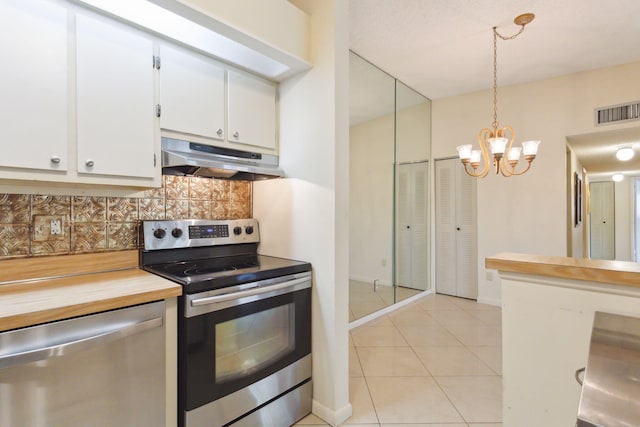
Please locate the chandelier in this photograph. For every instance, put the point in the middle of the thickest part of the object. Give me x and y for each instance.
(499, 141)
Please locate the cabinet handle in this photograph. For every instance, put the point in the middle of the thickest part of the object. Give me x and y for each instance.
(578, 372)
(219, 132)
(236, 134)
(55, 160)
(89, 163)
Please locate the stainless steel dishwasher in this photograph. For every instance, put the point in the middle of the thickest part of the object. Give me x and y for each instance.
(105, 369)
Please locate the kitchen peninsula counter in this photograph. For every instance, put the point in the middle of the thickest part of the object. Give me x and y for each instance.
(44, 289)
(548, 307)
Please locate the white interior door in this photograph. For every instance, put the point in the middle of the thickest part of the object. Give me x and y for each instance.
(602, 220)
(456, 253)
(413, 225)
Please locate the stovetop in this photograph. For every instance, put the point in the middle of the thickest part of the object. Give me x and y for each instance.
(203, 255)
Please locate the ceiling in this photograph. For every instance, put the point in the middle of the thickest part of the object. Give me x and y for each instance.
(444, 48)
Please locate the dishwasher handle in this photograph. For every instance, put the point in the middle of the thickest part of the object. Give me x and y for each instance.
(38, 354)
(248, 293)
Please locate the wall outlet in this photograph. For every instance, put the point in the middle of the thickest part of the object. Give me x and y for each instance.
(56, 226)
(48, 227)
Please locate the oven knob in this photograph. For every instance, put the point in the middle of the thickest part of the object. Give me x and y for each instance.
(237, 231)
(160, 233)
(176, 232)
(249, 229)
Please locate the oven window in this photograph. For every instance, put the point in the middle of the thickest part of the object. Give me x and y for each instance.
(249, 343)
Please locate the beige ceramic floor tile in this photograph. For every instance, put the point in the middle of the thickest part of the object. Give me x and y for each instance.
(453, 317)
(355, 370)
(424, 425)
(378, 336)
(445, 361)
(491, 355)
(436, 302)
(469, 304)
(488, 317)
(429, 335)
(361, 404)
(479, 399)
(390, 362)
(383, 320)
(411, 400)
(361, 309)
(311, 420)
(411, 317)
(484, 425)
(476, 334)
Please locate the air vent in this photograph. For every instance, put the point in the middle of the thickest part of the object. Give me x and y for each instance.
(617, 113)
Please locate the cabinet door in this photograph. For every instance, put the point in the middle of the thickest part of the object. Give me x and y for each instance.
(115, 101)
(33, 84)
(191, 93)
(252, 111)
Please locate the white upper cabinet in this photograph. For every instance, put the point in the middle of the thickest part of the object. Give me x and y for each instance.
(115, 99)
(191, 93)
(33, 84)
(251, 110)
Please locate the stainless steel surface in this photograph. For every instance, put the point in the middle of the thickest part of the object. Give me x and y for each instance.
(169, 241)
(75, 345)
(207, 302)
(611, 392)
(118, 380)
(222, 411)
(282, 412)
(180, 157)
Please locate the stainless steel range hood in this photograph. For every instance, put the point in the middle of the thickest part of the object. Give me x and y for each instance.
(180, 157)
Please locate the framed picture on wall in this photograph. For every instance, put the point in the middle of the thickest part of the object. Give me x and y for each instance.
(577, 199)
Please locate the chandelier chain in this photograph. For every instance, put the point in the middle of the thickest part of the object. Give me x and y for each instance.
(495, 79)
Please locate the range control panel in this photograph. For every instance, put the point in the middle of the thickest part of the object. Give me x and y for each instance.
(198, 232)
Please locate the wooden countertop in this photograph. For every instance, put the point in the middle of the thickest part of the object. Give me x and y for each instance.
(592, 270)
(106, 281)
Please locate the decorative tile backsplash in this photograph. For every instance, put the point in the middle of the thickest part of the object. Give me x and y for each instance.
(99, 224)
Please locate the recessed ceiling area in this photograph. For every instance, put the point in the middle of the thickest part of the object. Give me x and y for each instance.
(597, 151)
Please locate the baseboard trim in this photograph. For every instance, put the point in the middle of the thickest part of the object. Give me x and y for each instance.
(370, 280)
(331, 417)
(391, 308)
(490, 301)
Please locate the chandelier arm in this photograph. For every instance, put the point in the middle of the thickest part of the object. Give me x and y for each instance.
(505, 168)
(514, 173)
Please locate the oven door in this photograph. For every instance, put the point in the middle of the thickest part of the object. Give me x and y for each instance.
(234, 337)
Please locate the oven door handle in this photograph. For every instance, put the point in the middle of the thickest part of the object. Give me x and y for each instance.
(248, 293)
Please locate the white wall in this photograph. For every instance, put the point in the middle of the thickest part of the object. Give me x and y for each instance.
(305, 216)
(529, 213)
(371, 200)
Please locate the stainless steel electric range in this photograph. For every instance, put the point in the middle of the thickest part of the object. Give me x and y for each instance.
(244, 323)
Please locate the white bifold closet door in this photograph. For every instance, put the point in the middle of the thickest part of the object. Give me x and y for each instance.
(602, 224)
(456, 249)
(412, 225)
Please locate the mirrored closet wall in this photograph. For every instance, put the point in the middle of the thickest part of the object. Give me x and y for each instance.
(390, 141)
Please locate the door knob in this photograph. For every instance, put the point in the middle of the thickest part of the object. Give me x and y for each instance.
(408, 226)
(89, 163)
(458, 228)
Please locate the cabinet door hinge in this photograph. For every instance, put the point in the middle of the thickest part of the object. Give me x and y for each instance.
(158, 110)
(154, 160)
(156, 62)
